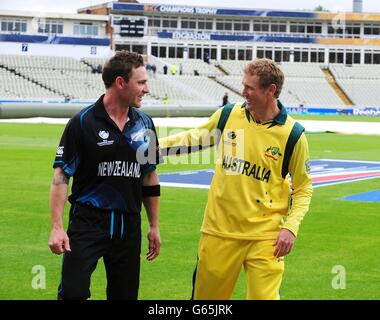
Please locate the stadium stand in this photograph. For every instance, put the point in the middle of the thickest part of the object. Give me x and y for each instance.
(308, 92)
(66, 77)
(362, 92)
(191, 65)
(360, 82)
(15, 86)
(60, 57)
(231, 67)
(48, 77)
(305, 83)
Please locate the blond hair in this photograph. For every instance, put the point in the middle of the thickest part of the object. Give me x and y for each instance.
(268, 72)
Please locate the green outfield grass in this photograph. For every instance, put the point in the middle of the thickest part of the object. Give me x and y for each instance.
(334, 232)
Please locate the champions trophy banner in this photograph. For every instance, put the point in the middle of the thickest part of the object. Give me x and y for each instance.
(209, 11)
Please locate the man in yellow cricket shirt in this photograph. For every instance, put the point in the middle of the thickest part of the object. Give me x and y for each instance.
(252, 214)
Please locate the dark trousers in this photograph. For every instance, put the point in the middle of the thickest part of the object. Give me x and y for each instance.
(95, 233)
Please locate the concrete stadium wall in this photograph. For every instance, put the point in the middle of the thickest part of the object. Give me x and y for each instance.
(12, 110)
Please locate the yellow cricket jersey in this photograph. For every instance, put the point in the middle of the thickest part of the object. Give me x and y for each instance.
(250, 195)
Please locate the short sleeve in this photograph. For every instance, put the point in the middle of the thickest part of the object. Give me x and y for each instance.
(68, 152)
(155, 156)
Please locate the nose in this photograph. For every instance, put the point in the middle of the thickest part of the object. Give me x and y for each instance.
(244, 93)
(146, 89)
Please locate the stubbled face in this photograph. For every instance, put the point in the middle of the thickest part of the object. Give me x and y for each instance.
(136, 87)
(253, 93)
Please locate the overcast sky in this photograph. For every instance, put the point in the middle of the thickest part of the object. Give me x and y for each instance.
(73, 5)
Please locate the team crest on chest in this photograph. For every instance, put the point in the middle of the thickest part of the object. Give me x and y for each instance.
(104, 135)
(230, 138)
(273, 153)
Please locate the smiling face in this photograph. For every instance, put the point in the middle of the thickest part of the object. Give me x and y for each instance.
(254, 94)
(262, 83)
(125, 76)
(133, 90)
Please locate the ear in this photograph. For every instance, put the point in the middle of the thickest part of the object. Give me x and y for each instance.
(119, 82)
(272, 89)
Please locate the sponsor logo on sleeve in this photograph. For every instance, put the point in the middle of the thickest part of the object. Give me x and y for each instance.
(307, 166)
(60, 151)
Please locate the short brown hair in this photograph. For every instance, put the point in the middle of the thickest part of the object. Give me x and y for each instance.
(268, 73)
(121, 64)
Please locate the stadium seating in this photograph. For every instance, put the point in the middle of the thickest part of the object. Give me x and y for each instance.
(189, 66)
(362, 92)
(14, 86)
(94, 62)
(305, 83)
(359, 82)
(232, 67)
(67, 78)
(309, 92)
